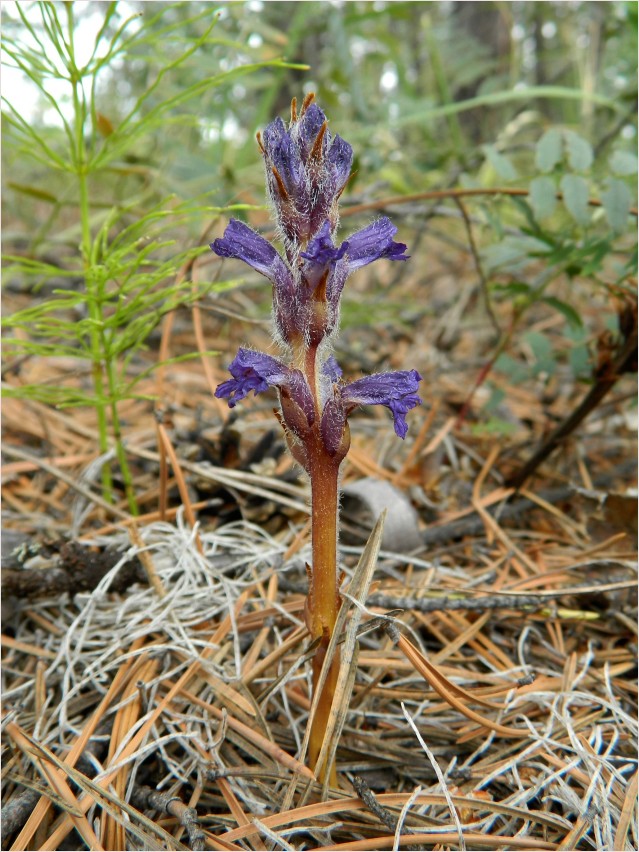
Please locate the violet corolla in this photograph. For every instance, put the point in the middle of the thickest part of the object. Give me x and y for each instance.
(307, 169)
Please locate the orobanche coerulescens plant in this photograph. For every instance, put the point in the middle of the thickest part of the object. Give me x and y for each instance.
(306, 172)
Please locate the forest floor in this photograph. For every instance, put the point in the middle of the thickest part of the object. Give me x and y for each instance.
(156, 673)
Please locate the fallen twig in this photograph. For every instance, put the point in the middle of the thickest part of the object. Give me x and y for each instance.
(145, 798)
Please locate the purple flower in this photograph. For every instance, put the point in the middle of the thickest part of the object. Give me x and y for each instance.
(397, 391)
(243, 243)
(257, 372)
(251, 371)
(321, 253)
(319, 279)
(373, 242)
(326, 268)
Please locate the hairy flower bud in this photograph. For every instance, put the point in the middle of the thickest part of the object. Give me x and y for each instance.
(306, 171)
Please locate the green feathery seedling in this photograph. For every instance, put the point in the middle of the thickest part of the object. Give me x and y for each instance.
(127, 265)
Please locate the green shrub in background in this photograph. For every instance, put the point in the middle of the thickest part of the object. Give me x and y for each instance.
(575, 223)
(128, 264)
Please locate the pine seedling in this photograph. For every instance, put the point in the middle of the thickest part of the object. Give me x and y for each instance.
(307, 170)
(125, 274)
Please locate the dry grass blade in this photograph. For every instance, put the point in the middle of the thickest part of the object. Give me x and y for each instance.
(135, 741)
(358, 591)
(307, 813)
(433, 838)
(440, 778)
(42, 464)
(47, 768)
(243, 481)
(39, 812)
(154, 837)
(449, 692)
(269, 748)
(629, 805)
(27, 648)
(126, 717)
(181, 482)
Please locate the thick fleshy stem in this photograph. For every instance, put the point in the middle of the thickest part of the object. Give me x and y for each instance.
(323, 600)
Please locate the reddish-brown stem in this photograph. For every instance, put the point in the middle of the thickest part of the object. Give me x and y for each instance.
(323, 597)
(322, 604)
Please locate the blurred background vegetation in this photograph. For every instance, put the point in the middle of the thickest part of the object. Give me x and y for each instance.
(129, 139)
(382, 71)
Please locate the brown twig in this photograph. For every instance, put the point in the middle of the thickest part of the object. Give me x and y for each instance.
(76, 569)
(500, 601)
(145, 798)
(370, 800)
(430, 195)
(483, 281)
(622, 361)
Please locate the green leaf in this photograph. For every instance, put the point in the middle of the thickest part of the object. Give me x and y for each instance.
(516, 371)
(526, 94)
(548, 150)
(570, 314)
(575, 190)
(542, 351)
(500, 163)
(578, 353)
(513, 288)
(623, 163)
(580, 154)
(513, 252)
(33, 191)
(616, 201)
(543, 196)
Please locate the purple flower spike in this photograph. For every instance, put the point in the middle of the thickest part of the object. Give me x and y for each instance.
(307, 169)
(251, 371)
(397, 391)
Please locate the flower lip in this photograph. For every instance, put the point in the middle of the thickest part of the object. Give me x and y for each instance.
(396, 390)
(332, 369)
(251, 371)
(243, 243)
(373, 242)
(257, 372)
